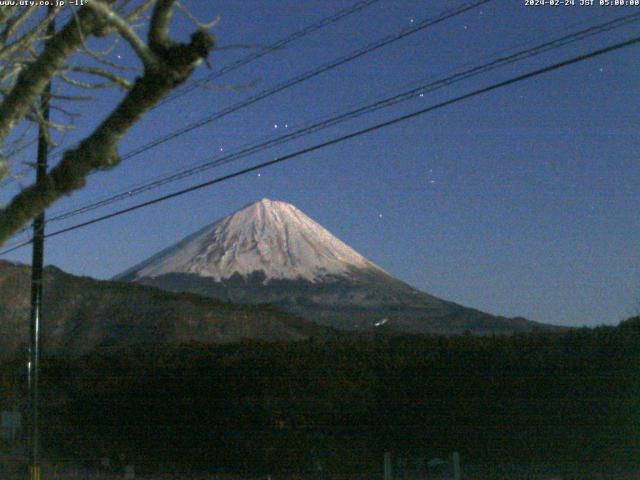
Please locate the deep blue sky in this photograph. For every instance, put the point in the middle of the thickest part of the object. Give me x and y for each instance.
(523, 201)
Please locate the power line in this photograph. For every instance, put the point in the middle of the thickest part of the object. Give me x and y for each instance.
(386, 102)
(17, 247)
(356, 7)
(389, 39)
(352, 135)
(63, 18)
(278, 45)
(127, 190)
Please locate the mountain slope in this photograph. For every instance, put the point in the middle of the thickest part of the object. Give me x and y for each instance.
(82, 314)
(271, 252)
(269, 236)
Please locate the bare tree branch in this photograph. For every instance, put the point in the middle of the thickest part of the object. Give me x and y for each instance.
(14, 23)
(4, 168)
(100, 72)
(173, 63)
(33, 79)
(196, 22)
(139, 10)
(125, 30)
(159, 26)
(25, 41)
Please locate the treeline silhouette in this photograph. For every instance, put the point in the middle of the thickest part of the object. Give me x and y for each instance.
(572, 396)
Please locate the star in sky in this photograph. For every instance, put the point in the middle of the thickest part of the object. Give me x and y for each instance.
(456, 149)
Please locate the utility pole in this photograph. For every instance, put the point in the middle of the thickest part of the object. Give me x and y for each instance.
(37, 264)
(388, 469)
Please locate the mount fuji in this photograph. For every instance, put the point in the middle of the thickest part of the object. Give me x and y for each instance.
(271, 252)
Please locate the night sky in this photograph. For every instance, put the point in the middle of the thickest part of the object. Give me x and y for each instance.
(520, 202)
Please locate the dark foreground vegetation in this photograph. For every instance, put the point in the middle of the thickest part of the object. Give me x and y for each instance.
(569, 398)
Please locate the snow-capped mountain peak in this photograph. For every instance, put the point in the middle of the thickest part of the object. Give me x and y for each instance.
(269, 236)
(292, 262)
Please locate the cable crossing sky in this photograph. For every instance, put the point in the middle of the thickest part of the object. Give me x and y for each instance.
(343, 138)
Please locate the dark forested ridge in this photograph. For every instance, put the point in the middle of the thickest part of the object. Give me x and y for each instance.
(271, 252)
(84, 315)
(267, 407)
(358, 302)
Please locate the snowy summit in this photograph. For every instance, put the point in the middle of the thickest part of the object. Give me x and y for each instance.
(269, 236)
(288, 260)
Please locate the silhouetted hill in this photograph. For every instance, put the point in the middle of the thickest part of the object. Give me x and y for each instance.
(82, 314)
(565, 398)
(271, 252)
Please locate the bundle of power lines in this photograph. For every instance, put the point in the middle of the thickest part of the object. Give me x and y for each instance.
(494, 61)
